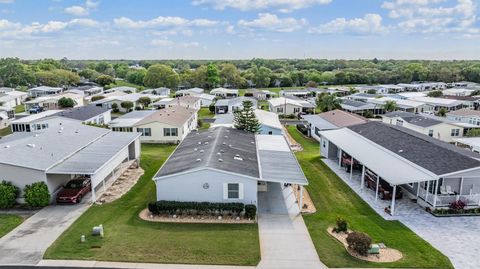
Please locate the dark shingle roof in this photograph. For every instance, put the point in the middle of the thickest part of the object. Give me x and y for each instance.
(415, 119)
(434, 155)
(82, 113)
(204, 149)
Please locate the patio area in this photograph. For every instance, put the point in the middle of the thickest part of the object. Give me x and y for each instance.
(453, 236)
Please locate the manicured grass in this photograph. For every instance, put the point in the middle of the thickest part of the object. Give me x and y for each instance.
(130, 239)
(19, 109)
(205, 113)
(8, 222)
(5, 131)
(333, 198)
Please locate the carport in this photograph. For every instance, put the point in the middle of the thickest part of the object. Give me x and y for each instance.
(385, 164)
(278, 164)
(102, 161)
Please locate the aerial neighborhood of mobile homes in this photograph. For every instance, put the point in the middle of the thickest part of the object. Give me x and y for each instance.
(403, 148)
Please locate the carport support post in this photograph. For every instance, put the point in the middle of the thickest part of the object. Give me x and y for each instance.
(392, 208)
(376, 189)
(340, 159)
(351, 167)
(301, 198)
(93, 195)
(436, 192)
(362, 182)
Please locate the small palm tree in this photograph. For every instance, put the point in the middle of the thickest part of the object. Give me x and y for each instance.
(327, 102)
(442, 112)
(390, 106)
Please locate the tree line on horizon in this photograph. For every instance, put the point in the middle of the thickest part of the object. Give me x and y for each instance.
(260, 73)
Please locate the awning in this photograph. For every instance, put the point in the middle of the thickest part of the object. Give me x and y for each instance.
(388, 165)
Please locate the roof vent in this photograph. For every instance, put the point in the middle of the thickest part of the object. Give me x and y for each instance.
(206, 143)
(238, 158)
(31, 145)
(7, 146)
(400, 151)
(199, 142)
(195, 149)
(230, 145)
(198, 160)
(224, 143)
(222, 151)
(202, 151)
(219, 153)
(220, 160)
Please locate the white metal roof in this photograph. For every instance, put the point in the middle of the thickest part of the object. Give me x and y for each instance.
(388, 165)
(473, 142)
(437, 101)
(34, 117)
(268, 118)
(277, 162)
(279, 101)
(130, 119)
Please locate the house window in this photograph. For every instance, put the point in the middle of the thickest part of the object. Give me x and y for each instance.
(279, 109)
(145, 131)
(430, 133)
(411, 185)
(296, 109)
(233, 191)
(455, 132)
(170, 131)
(400, 122)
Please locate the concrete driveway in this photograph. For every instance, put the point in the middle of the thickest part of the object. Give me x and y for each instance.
(27, 243)
(284, 238)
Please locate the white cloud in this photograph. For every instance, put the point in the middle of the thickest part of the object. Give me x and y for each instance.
(161, 21)
(271, 22)
(162, 42)
(369, 24)
(433, 16)
(191, 45)
(244, 5)
(6, 1)
(81, 10)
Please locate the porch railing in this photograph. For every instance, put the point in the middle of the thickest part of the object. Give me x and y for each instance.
(446, 200)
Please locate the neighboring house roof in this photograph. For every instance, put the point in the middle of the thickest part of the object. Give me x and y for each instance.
(402, 103)
(438, 101)
(356, 105)
(132, 97)
(268, 119)
(34, 117)
(438, 157)
(341, 118)
(196, 90)
(464, 112)
(415, 119)
(224, 90)
(318, 122)
(235, 101)
(6, 89)
(130, 119)
(123, 89)
(45, 88)
(279, 101)
(175, 115)
(215, 148)
(207, 96)
(83, 113)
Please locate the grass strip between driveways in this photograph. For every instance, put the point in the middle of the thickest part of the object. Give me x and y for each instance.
(8, 222)
(333, 198)
(130, 239)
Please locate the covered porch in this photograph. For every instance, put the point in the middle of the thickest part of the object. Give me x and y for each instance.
(445, 191)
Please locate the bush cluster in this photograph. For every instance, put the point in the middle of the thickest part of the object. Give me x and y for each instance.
(8, 194)
(359, 242)
(37, 194)
(341, 227)
(450, 211)
(250, 211)
(173, 207)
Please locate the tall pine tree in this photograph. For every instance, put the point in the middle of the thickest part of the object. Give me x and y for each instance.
(245, 119)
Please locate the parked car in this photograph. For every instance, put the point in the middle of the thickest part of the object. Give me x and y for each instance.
(385, 190)
(35, 109)
(74, 191)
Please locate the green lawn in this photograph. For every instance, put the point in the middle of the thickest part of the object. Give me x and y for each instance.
(204, 113)
(130, 239)
(8, 222)
(5, 131)
(333, 198)
(19, 109)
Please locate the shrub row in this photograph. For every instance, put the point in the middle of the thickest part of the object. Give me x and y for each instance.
(451, 211)
(173, 207)
(302, 128)
(36, 195)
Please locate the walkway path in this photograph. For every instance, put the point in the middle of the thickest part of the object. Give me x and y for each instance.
(284, 238)
(456, 237)
(27, 243)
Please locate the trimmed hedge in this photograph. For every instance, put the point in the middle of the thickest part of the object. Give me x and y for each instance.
(8, 194)
(172, 207)
(37, 194)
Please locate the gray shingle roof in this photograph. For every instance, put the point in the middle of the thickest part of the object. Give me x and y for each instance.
(83, 113)
(414, 119)
(205, 149)
(434, 155)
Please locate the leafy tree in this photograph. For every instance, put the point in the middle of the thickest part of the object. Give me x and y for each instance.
(13, 73)
(136, 76)
(245, 119)
(327, 102)
(127, 105)
(442, 112)
(115, 107)
(390, 106)
(229, 74)
(475, 93)
(105, 80)
(159, 75)
(473, 133)
(368, 114)
(261, 76)
(37, 194)
(121, 70)
(213, 76)
(144, 101)
(211, 107)
(66, 102)
(8, 194)
(57, 78)
(435, 94)
(311, 84)
(89, 74)
(97, 97)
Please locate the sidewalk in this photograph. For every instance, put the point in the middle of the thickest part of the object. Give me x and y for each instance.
(122, 265)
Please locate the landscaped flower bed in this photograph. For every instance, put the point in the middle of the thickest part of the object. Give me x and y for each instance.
(456, 208)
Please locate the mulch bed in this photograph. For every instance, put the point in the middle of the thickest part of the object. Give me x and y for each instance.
(145, 215)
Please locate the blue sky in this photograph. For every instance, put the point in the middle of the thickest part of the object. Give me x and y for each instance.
(240, 29)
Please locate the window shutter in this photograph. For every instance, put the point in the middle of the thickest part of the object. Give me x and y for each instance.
(225, 191)
(240, 191)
